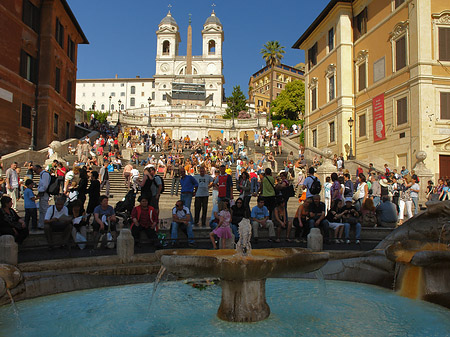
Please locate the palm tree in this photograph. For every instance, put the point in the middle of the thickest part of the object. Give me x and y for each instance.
(272, 53)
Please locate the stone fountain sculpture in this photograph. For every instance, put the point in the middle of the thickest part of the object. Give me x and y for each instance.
(243, 272)
(56, 147)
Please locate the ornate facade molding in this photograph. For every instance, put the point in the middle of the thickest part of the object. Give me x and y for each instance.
(313, 82)
(399, 29)
(331, 70)
(443, 18)
(362, 56)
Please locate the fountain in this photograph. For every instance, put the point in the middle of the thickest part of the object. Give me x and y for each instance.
(242, 272)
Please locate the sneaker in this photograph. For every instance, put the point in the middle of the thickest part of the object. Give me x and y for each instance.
(348, 242)
(358, 242)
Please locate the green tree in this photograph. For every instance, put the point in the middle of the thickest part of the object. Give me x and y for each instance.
(290, 103)
(100, 116)
(272, 52)
(236, 103)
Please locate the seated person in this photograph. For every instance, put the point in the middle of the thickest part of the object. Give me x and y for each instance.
(145, 219)
(280, 220)
(335, 220)
(214, 220)
(387, 213)
(260, 218)
(350, 216)
(300, 221)
(368, 214)
(104, 219)
(79, 223)
(238, 212)
(317, 217)
(181, 217)
(57, 219)
(10, 222)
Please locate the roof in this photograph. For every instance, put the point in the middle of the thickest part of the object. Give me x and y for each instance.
(317, 21)
(168, 20)
(213, 20)
(282, 66)
(75, 22)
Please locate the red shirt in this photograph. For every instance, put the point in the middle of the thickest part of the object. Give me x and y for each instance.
(145, 218)
(61, 171)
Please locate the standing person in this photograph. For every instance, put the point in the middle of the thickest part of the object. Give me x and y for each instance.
(127, 174)
(12, 184)
(44, 182)
(93, 192)
(327, 193)
(415, 188)
(201, 195)
(335, 188)
(224, 184)
(30, 205)
(348, 185)
(376, 190)
(104, 178)
(362, 191)
(245, 189)
(79, 150)
(175, 178)
(155, 188)
(83, 186)
(267, 190)
(310, 183)
(188, 185)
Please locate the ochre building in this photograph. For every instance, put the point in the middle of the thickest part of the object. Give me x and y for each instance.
(38, 65)
(386, 65)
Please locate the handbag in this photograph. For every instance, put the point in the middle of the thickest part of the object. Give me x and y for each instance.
(288, 192)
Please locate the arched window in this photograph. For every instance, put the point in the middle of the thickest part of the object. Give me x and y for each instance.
(133, 89)
(112, 106)
(122, 107)
(142, 105)
(83, 107)
(103, 107)
(211, 47)
(166, 47)
(132, 101)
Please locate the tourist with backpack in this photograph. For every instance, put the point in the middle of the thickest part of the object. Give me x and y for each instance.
(43, 193)
(312, 184)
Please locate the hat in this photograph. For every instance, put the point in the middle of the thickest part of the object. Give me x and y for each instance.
(348, 199)
(384, 182)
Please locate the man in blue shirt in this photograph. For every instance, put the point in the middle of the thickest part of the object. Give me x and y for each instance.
(260, 218)
(188, 184)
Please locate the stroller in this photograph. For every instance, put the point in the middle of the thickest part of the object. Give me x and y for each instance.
(124, 207)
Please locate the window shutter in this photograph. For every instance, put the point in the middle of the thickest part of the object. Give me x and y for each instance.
(444, 44)
(402, 111)
(445, 105)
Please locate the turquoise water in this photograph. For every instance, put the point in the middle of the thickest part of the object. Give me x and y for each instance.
(298, 308)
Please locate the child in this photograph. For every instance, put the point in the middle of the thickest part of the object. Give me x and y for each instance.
(30, 204)
(223, 230)
(327, 189)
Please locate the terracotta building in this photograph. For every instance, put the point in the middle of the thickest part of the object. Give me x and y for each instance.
(260, 84)
(38, 64)
(384, 64)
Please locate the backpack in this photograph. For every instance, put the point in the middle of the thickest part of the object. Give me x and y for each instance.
(315, 186)
(162, 182)
(369, 219)
(53, 185)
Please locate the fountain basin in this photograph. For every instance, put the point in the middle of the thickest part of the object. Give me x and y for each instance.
(243, 278)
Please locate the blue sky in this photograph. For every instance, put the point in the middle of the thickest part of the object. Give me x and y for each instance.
(123, 40)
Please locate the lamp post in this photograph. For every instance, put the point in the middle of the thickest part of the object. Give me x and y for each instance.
(232, 126)
(33, 117)
(110, 97)
(149, 124)
(118, 116)
(350, 124)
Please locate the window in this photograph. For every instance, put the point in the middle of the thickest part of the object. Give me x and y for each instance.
(122, 84)
(314, 138)
(103, 107)
(28, 67)
(398, 3)
(93, 94)
(112, 106)
(103, 94)
(332, 133)
(211, 47)
(30, 15)
(132, 101)
(362, 125)
(69, 91)
(362, 76)
(379, 69)
(402, 111)
(445, 105)
(58, 79)
(444, 44)
(260, 102)
(360, 24)
(164, 97)
(142, 84)
(142, 93)
(153, 84)
(312, 56)
(67, 130)
(59, 33)
(331, 39)
(122, 107)
(153, 95)
(103, 84)
(400, 53)
(279, 86)
(331, 88)
(313, 99)
(133, 89)
(70, 49)
(166, 47)
(26, 116)
(122, 93)
(113, 94)
(267, 104)
(83, 107)
(55, 123)
(84, 94)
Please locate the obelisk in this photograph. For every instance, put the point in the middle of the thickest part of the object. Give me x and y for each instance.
(189, 53)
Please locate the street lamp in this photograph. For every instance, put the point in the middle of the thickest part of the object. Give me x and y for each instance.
(33, 117)
(350, 124)
(232, 115)
(118, 116)
(149, 117)
(110, 97)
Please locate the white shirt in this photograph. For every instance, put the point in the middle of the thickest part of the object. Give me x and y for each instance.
(415, 187)
(135, 173)
(52, 210)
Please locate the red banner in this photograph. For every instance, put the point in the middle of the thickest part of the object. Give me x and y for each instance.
(379, 126)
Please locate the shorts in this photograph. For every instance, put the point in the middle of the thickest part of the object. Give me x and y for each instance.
(335, 225)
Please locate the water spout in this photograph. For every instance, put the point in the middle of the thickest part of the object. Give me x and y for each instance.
(14, 306)
(244, 247)
(158, 278)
